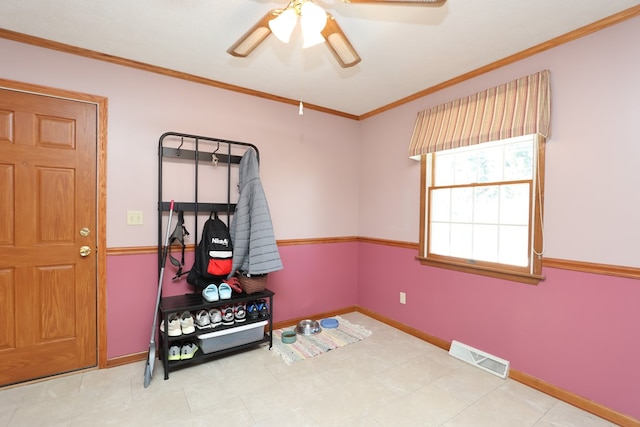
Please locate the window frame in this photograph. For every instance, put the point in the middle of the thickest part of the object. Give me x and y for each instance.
(532, 273)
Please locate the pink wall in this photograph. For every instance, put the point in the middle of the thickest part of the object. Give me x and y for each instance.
(316, 278)
(574, 330)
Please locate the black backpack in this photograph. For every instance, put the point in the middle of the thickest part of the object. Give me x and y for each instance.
(214, 254)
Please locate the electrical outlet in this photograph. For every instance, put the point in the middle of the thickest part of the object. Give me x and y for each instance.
(403, 298)
(134, 218)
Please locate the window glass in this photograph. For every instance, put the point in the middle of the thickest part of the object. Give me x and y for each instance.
(481, 205)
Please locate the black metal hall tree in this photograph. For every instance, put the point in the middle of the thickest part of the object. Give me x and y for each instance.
(191, 155)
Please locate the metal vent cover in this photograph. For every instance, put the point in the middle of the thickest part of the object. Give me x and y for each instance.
(479, 358)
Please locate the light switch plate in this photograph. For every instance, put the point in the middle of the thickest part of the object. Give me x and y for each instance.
(134, 218)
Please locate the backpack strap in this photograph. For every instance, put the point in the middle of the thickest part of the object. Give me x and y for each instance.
(178, 236)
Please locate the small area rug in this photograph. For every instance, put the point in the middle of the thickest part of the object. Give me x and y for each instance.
(308, 346)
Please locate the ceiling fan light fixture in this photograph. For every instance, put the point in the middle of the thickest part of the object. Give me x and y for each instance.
(339, 45)
(282, 26)
(256, 35)
(317, 26)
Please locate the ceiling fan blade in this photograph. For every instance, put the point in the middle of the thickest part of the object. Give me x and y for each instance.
(338, 43)
(256, 35)
(407, 2)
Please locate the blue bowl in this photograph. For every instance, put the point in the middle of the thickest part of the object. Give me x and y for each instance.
(329, 323)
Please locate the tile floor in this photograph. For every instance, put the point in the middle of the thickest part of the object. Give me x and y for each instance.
(388, 379)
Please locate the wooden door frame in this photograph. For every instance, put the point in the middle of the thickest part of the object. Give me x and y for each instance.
(101, 197)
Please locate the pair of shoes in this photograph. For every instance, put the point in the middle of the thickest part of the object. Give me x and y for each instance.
(228, 315)
(208, 319)
(179, 325)
(188, 351)
(225, 291)
(215, 292)
(240, 312)
(175, 325)
(210, 293)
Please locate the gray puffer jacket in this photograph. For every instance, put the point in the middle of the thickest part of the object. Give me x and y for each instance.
(255, 250)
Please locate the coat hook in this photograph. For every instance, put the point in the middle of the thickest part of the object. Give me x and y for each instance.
(214, 158)
(179, 147)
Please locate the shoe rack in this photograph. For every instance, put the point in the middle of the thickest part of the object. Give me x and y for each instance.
(181, 156)
(193, 303)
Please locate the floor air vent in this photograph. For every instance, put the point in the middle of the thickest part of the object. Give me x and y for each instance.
(479, 358)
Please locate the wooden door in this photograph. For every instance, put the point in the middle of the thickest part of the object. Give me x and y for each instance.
(48, 289)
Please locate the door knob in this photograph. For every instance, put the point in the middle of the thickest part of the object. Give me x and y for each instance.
(85, 250)
(84, 231)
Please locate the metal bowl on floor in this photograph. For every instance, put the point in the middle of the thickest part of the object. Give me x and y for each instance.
(308, 327)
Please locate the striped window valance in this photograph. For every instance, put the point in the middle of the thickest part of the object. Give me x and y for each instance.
(520, 107)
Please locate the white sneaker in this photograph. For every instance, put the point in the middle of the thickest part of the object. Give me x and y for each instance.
(186, 323)
(174, 326)
(202, 320)
(215, 316)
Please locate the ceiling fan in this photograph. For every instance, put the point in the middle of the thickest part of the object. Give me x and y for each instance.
(317, 27)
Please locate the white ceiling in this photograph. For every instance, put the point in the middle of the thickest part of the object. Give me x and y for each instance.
(404, 49)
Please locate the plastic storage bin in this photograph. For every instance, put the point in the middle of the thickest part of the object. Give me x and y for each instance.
(228, 338)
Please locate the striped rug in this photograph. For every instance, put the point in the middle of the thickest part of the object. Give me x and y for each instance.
(308, 346)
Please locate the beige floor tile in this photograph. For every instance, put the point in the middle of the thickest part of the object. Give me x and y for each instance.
(496, 410)
(6, 413)
(565, 415)
(428, 406)
(292, 416)
(409, 376)
(288, 393)
(51, 412)
(219, 411)
(347, 401)
(531, 397)
(468, 383)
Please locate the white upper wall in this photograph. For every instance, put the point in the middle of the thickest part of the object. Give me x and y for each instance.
(592, 173)
(309, 164)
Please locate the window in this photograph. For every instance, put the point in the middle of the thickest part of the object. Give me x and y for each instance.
(482, 210)
(482, 179)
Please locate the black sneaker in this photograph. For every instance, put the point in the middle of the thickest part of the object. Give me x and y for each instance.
(263, 309)
(227, 315)
(252, 310)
